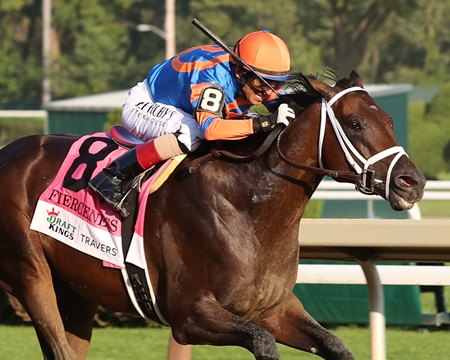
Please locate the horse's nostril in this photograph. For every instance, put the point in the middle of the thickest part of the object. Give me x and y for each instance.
(405, 181)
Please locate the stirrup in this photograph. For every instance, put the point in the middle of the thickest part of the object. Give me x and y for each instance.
(115, 200)
(135, 183)
(118, 206)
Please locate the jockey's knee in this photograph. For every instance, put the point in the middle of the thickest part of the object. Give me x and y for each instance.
(188, 141)
(169, 146)
(183, 147)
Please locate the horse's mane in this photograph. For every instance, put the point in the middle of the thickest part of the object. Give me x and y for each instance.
(299, 91)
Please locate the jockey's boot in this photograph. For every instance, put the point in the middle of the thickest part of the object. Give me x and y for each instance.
(112, 182)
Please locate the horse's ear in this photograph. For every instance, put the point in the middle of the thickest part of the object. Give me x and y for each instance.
(356, 79)
(323, 89)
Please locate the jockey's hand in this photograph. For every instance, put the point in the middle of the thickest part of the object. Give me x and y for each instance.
(283, 115)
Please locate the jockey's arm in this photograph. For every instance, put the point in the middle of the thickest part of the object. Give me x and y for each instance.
(216, 128)
(208, 113)
(209, 103)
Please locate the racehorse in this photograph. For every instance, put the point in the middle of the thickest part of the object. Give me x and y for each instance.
(221, 244)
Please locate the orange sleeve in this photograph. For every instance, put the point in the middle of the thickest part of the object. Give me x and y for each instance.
(216, 128)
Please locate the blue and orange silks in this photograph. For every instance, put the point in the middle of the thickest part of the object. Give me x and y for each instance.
(181, 80)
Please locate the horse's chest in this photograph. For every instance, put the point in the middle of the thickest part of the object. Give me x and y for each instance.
(261, 295)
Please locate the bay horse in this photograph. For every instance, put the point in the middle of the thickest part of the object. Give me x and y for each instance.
(221, 244)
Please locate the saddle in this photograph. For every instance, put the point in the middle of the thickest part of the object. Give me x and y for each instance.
(123, 137)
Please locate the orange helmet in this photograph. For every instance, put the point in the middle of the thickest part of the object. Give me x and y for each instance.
(266, 53)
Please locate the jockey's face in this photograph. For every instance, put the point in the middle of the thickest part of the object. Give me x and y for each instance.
(254, 88)
(258, 92)
(256, 96)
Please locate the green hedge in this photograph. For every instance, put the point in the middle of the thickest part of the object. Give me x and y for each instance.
(429, 135)
(15, 128)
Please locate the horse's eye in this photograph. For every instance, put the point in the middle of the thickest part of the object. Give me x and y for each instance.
(354, 124)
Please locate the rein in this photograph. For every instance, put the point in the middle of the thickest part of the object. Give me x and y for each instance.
(335, 174)
(255, 154)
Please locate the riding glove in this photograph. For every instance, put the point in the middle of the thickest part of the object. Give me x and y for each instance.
(283, 115)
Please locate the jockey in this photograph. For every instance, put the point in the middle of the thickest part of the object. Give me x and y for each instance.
(201, 93)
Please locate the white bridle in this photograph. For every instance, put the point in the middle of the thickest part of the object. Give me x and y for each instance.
(348, 148)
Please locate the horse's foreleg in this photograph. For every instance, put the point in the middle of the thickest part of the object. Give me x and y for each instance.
(28, 274)
(209, 323)
(291, 325)
(39, 301)
(77, 314)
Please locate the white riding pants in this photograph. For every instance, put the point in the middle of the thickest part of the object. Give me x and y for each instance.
(147, 119)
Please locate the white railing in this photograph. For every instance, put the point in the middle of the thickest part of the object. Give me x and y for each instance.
(24, 113)
(20, 114)
(374, 240)
(331, 190)
(411, 239)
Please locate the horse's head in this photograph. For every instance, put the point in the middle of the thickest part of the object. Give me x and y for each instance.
(357, 135)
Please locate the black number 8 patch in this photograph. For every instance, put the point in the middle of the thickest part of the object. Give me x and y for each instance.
(211, 100)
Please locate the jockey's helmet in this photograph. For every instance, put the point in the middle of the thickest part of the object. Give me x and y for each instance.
(266, 53)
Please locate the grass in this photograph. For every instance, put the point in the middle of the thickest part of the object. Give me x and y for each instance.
(19, 342)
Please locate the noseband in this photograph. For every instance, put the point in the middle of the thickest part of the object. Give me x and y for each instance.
(364, 179)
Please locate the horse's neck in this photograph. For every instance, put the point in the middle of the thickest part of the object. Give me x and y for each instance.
(299, 144)
(262, 194)
(277, 185)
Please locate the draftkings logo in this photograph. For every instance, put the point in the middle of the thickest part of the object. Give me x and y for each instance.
(58, 226)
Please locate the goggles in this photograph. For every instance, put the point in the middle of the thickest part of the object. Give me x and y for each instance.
(257, 85)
